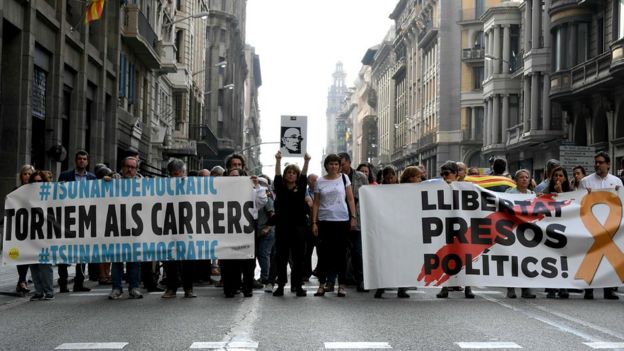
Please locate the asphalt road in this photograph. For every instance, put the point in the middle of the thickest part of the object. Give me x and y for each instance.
(357, 322)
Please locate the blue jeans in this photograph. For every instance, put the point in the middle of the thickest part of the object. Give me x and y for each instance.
(133, 268)
(264, 244)
(43, 277)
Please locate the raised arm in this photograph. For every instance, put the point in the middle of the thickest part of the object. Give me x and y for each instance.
(306, 162)
(278, 163)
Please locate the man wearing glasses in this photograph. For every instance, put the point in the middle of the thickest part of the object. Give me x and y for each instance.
(129, 167)
(291, 140)
(601, 179)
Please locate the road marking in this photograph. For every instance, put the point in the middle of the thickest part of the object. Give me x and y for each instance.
(357, 345)
(247, 315)
(605, 345)
(560, 326)
(582, 322)
(92, 346)
(487, 292)
(220, 345)
(488, 345)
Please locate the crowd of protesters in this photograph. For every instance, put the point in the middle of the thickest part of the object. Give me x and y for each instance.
(297, 213)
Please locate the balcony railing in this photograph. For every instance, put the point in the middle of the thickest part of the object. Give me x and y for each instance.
(473, 54)
(590, 71)
(207, 142)
(138, 33)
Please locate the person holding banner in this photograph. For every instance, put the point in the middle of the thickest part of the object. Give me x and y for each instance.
(558, 183)
(129, 166)
(21, 289)
(601, 179)
(175, 269)
(79, 173)
(578, 173)
(449, 172)
(331, 222)
(523, 180)
(389, 177)
(290, 232)
(231, 270)
(42, 274)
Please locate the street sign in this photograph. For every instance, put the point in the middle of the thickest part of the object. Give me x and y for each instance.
(572, 156)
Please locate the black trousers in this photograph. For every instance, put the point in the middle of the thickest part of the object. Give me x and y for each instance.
(332, 248)
(63, 275)
(150, 280)
(22, 271)
(290, 243)
(174, 270)
(311, 242)
(231, 271)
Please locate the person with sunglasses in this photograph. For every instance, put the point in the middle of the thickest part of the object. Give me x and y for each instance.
(450, 173)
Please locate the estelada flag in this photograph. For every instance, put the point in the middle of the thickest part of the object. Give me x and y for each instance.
(94, 10)
(488, 181)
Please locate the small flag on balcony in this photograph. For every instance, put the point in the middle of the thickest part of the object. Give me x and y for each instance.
(94, 10)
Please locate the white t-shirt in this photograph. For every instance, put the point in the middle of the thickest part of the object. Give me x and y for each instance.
(594, 181)
(333, 205)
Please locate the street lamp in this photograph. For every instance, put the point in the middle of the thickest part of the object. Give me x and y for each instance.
(202, 15)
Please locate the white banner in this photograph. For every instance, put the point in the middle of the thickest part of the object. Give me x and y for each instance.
(131, 220)
(435, 234)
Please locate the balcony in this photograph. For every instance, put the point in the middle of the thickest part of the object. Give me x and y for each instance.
(560, 84)
(591, 73)
(427, 33)
(207, 142)
(138, 34)
(225, 146)
(617, 58)
(473, 55)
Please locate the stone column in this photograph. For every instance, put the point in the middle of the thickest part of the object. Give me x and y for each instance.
(534, 101)
(536, 25)
(526, 106)
(486, 67)
(497, 50)
(496, 120)
(527, 26)
(505, 121)
(546, 24)
(473, 123)
(546, 102)
(506, 43)
(486, 122)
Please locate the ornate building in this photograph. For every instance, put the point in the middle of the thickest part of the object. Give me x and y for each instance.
(335, 98)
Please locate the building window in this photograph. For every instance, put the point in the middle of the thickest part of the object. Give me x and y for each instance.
(478, 40)
(560, 48)
(478, 78)
(40, 78)
(122, 75)
(600, 36)
(582, 39)
(178, 44)
(620, 19)
(178, 110)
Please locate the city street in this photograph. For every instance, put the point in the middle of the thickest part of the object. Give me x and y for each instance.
(79, 321)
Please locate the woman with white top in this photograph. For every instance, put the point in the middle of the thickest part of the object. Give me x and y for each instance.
(333, 215)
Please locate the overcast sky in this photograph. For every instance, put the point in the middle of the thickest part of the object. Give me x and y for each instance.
(299, 43)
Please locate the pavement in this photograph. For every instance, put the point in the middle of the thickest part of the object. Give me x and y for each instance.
(89, 321)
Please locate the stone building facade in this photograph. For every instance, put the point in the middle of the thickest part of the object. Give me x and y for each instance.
(165, 78)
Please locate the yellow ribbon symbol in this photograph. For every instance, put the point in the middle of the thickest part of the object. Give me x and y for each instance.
(603, 235)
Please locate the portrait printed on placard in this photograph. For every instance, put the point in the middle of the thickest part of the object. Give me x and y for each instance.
(293, 134)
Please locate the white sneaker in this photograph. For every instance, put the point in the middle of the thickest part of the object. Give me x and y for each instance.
(268, 288)
(135, 294)
(115, 294)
